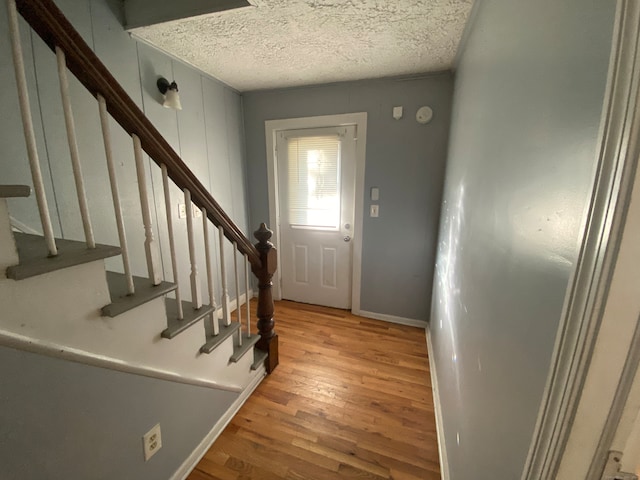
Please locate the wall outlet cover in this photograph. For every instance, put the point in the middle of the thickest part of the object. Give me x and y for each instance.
(152, 442)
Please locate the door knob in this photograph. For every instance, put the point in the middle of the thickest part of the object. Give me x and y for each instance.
(347, 238)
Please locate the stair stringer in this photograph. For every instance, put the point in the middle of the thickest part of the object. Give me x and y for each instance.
(62, 309)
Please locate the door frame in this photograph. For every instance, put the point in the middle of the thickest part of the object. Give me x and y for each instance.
(272, 127)
(583, 325)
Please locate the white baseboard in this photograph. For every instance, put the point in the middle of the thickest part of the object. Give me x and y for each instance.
(412, 322)
(233, 303)
(442, 449)
(192, 460)
(23, 227)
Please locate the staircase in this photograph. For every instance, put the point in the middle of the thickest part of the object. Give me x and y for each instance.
(59, 299)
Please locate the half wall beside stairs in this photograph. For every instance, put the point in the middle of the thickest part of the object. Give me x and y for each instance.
(156, 312)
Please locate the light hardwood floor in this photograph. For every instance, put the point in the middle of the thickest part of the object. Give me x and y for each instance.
(351, 398)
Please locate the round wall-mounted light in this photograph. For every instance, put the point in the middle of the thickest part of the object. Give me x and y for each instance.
(424, 115)
(170, 92)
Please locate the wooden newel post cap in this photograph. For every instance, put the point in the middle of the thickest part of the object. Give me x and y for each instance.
(268, 253)
(263, 235)
(269, 261)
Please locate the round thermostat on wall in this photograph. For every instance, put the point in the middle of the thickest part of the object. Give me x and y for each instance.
(424, 115)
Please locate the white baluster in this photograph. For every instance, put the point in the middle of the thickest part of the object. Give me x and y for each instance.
(196, 296)
(246, 287)
(207, 253)
(73, 148)
(223, 274)
(238, 309)
(115, 194)
(172, 243)
(27, 126)
(150, 243)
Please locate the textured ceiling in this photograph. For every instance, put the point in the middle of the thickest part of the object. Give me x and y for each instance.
(281, 43)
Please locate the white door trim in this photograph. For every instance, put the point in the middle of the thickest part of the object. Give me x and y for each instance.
(271, 128)
(618, 152)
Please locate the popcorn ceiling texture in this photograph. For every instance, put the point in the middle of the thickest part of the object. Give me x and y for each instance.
(282, 43)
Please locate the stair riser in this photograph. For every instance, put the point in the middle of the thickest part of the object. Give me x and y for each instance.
(46, 304)
(8, 251)
(63, 307)
(232, 371)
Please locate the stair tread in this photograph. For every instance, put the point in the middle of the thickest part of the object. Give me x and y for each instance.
(190, 317)
(145, 291)
(14, 191)
(259, 356)
(225, 332)
(34, 256)
(240, 350)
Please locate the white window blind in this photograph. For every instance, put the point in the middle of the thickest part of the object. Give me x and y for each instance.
(314, 181)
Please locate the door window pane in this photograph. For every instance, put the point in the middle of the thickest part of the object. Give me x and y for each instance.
(314, 181)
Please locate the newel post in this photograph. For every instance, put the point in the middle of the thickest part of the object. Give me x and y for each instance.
(269, 258)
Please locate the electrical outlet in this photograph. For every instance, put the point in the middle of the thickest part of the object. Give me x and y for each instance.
(152, 442)
(182, 210)
(197, 213)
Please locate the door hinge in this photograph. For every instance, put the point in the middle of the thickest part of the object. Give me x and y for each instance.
(613, 466)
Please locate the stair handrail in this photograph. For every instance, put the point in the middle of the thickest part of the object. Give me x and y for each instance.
(48, 21)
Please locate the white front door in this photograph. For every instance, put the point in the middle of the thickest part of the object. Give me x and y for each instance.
(316, 193)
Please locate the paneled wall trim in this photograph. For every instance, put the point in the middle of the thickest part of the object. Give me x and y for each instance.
(207, 133)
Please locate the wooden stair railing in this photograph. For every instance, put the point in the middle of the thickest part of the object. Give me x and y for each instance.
(268, 263)
(48, 21)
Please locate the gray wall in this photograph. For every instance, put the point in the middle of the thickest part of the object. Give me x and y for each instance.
(207, 134)
(63, 420)
(405, 160)
(527, 107)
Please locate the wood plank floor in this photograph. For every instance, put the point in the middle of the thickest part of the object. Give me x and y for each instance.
(351, 398)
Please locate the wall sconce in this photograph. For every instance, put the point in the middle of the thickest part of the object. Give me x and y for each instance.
(170, 92)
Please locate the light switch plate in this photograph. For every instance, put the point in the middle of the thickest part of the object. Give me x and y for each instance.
(374, 211)
(397, 112)
(182, 210)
